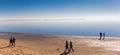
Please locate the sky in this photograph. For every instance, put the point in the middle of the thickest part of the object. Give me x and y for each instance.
(89, 10)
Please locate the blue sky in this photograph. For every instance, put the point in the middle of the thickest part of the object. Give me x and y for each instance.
(31, 9)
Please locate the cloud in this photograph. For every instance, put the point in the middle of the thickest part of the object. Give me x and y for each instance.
(69, 17)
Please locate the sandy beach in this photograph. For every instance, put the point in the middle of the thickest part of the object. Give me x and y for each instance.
(46, 44)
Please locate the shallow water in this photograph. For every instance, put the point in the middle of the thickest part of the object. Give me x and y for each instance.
(61, 27)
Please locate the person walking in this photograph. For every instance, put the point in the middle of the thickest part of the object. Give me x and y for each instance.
(100, 35)
(10, 41)
(71, 47)
(14, 41)
(66, 46)
(103, 35)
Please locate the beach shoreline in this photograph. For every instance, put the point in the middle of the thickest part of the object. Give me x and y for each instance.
(44, 44)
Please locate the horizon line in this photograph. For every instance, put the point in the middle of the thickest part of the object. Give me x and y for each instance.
(38, 19)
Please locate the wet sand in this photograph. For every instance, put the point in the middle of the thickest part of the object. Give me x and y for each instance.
(45, 44)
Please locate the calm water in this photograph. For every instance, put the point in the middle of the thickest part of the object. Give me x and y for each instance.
(61, 27)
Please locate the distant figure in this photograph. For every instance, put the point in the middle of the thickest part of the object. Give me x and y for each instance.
(14, 41)
(100, 35)
(71, 47)
(66, 46)
(11, 42)
(103, 36)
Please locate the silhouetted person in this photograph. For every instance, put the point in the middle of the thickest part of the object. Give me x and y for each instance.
(71, 47)
(14, 41)
(11, 41)
(100, 35)
(66, 46)
(103, 36)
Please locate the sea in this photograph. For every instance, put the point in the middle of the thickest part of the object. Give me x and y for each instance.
(78, 28)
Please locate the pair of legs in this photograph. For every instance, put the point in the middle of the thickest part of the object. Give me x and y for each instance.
(12, 44)
(72, 49)
(66, 49)
(101, 37)
(69, 50)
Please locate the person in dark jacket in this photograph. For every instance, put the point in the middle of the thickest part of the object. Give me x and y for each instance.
(10, 41)
(100, 35)
(103, 35)
(71, 47)
(14, 41)
(66, 46)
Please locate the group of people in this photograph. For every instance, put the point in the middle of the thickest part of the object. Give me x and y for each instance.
(69, 47)
(12, 41)
(102, 36)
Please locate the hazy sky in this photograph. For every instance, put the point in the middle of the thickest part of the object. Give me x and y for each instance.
(94, 10)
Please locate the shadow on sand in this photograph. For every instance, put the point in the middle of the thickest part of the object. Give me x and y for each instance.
(4, 47)
(65, 52)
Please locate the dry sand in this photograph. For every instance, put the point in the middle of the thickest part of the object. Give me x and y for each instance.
(39, 44)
